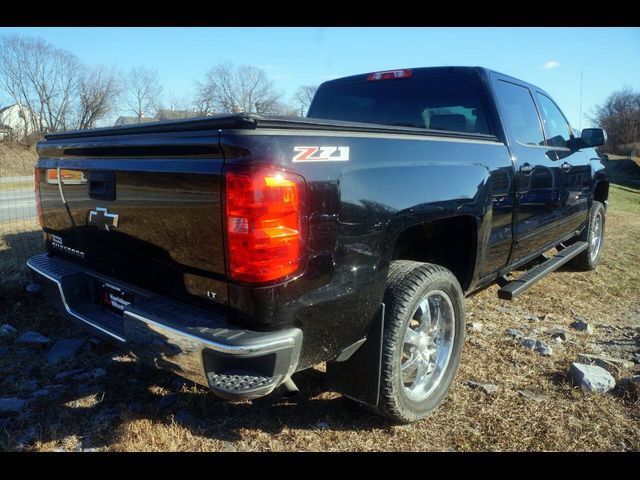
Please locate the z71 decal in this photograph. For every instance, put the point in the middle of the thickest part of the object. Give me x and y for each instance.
(321, 154)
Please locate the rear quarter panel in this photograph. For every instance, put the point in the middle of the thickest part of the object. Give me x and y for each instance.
(357, 210)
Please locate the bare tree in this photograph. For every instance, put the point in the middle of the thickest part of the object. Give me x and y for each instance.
(619, 115)
(99, 89)
(143, 91)
(304, 96)
(230, 89)
(42, 79)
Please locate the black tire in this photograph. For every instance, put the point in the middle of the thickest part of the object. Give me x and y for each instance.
(409, 283)
(587, 260)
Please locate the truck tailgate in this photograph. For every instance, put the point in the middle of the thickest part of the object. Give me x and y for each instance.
(144, 208)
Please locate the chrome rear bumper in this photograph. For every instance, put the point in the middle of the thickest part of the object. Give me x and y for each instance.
(197, 344)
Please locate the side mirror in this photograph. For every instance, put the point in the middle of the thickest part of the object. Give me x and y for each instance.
(594, 137)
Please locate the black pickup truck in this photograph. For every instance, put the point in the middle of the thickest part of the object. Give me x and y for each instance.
(238, 250)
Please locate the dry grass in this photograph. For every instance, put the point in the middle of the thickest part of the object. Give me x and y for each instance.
(17, 160)
(566, 419)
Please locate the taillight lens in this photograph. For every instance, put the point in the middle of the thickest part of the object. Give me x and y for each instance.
(266, 224)
(36, 189)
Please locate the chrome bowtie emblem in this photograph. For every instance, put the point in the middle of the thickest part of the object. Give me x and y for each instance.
(101, 218)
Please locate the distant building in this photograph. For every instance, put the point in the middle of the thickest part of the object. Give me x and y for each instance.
(133, 120)
(17, 122)
(162, 114)
(167, 114)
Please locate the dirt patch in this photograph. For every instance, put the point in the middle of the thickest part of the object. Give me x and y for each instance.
(134, 407)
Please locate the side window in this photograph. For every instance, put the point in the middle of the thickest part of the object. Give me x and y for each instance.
(520, 113)
(555, 125)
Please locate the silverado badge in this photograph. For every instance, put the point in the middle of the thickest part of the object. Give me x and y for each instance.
(101, 218)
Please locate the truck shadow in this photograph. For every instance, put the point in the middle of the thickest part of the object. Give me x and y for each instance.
(99, 413)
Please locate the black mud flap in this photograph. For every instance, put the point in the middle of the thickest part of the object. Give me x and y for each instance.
(358, 377)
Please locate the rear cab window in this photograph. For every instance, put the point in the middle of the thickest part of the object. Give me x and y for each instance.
(450, 103)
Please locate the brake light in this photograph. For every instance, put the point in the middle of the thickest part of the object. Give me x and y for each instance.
(266, 224)
(36, 189)
(389, 75)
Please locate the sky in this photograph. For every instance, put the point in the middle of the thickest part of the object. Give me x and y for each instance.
(549, 57)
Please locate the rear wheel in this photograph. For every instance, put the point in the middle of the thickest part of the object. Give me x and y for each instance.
(423, 338)
(593, 234)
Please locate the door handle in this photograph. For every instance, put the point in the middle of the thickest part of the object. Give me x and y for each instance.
(566, 167)
(526, 168)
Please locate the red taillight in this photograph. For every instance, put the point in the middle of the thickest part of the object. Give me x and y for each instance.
(36, 189)
(266, 224)
(389, 75)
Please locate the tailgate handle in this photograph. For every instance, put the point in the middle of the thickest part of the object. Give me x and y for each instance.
(102, 185)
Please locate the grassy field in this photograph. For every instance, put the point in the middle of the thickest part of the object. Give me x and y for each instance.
(123, 412)
(16, 160)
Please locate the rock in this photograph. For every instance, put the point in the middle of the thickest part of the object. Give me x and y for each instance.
(543, 349)
(135, 407)
(185, 418)
(228, 447)
(636, 357)
(322, 425)
(488, 388)
(12, 405)
(554, 333)
(33, 339)
(611, 364)
(504, 309)
(64, 350)
(582, 326)
(69, 373)
(166, 401)
(29, 385)
(99, 373)
(537, 346)
(531, 396)
(474, 326)
(591, 378)
(7, 331)
(533, 318)
(515, 333)
(27, 438)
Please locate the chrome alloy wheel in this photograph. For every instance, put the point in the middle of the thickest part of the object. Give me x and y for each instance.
(595, 238)
(428, 342)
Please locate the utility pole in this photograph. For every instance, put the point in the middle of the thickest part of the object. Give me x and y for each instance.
(580, 100)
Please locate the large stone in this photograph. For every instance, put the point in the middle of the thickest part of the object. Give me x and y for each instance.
(33, 339)
(64, 349)
(591, 378)
(474, 326)
(488, 388)
(7, 331)
(582, 326)
(555, 332)
(515, 333)
(537, 346)
(531, 395)
(167, 401)
(611, 364)
(12, 405)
